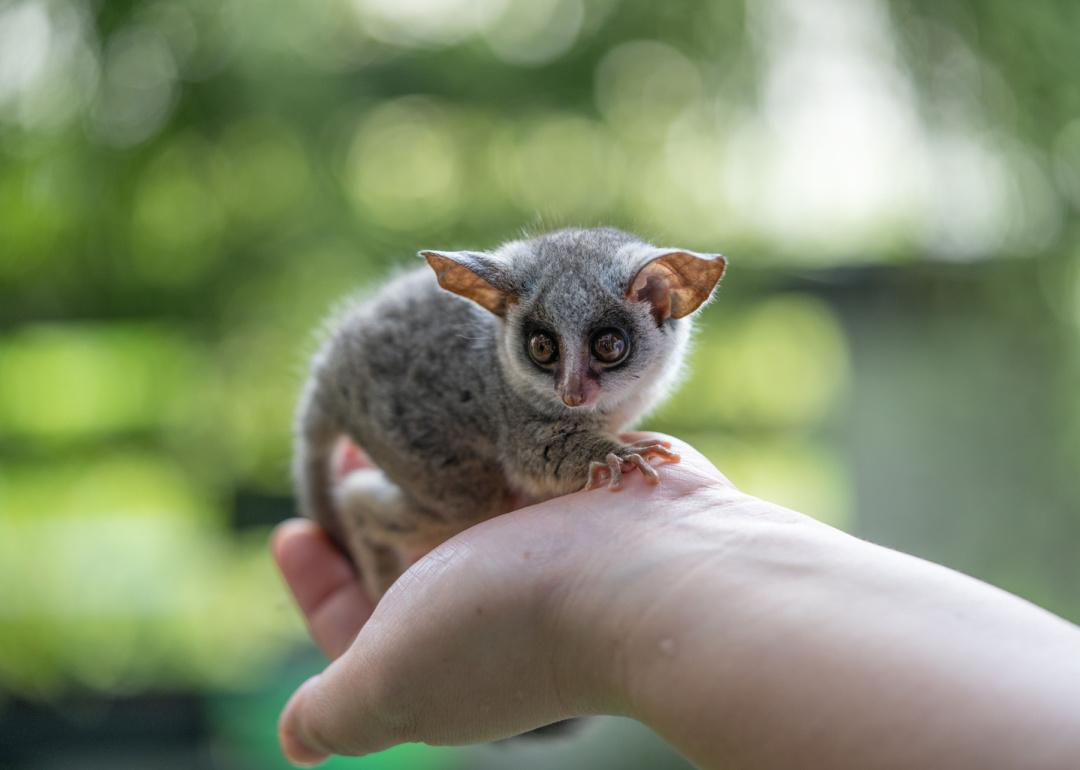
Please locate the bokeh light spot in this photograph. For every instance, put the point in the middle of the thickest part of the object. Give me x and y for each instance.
(138, 86)
(534, 32)
(404, 167)
(780, 364)
(71, 382)
(643, 85)
(563, 166)
(425, 22)
(261, 172)
(177, 220)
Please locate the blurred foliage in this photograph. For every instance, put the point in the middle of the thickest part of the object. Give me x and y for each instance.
(187, 187)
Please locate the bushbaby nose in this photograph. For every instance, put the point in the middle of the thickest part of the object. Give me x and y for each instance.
(573, 384)
(573, 399)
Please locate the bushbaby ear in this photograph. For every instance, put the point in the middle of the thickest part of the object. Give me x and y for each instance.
(676, 282)
(473, 275)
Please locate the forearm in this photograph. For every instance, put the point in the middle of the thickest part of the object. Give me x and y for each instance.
(746, 634)
(774, 640)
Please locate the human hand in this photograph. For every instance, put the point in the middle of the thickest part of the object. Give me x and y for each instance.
(508, 626)
(744, 633)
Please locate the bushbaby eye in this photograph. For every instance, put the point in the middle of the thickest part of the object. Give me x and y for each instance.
(610, 346)
(543, 349)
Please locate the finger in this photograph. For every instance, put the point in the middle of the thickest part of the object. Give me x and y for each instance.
(293, 746)
(322, 582)
(332, 713)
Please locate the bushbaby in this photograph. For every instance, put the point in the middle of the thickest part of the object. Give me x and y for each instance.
(490, 375)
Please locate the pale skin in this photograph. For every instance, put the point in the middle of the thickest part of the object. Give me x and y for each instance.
(745, 634)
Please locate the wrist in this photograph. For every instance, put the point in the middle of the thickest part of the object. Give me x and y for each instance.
(669, 624)
(620, 614)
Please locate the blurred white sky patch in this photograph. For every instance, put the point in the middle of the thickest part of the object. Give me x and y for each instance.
(24, 46)
(835, 153)
(48, 71)
(964, 210)
(838, 152)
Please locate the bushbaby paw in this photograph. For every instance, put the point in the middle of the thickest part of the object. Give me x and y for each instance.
(627, 458)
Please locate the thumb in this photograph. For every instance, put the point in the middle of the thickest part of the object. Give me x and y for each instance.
(335, 712)
(298, 744)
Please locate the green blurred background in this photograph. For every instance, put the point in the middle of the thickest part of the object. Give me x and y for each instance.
(187, 186)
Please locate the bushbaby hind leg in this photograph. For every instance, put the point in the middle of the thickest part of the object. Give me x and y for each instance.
(384, 530)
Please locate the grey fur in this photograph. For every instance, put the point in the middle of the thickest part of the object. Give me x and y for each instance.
(443, 397)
